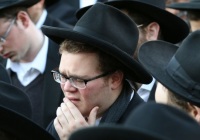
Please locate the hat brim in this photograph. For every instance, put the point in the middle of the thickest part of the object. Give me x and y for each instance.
(185, 6)
(21, 127)
(133, 69)
(107, 132)
(14, 98)
(155, 56)
(20, 3)
(174, 29)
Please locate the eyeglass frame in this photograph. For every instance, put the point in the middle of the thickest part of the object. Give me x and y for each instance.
(140, 25)
(85, 81)
(3, 37)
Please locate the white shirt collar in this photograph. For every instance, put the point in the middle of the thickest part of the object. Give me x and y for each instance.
(148, 87)
(84, 3)
(42, 19)
(145, 89)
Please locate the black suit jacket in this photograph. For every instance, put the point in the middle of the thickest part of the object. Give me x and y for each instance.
(51, 21)
(68, 8)
(52, 94)
(136, 101)
(63, 11)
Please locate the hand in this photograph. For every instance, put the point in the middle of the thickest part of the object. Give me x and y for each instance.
(69, 119)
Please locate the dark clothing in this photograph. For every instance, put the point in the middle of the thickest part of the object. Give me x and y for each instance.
(33, 91)
(48, 93)
(117, 113)
(51, 21)
(63, 11)
(68, 8)
(152, 93)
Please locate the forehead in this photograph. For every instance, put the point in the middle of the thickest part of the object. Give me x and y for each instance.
(3, 24)
(78, 62)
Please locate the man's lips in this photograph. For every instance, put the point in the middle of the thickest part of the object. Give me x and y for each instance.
(73, 99)
(7, 55)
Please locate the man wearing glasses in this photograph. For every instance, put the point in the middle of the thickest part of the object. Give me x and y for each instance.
(29, 56)
(155, 24)
(95, 69)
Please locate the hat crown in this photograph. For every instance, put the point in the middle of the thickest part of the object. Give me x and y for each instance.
(16, 3)
(191, 1)
(156, 3)
(4, 3)
(162, 120)
(15, 99)
(189, 5)
(123, 34)
(188, 55)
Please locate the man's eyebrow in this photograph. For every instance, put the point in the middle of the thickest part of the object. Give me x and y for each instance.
(84, 77)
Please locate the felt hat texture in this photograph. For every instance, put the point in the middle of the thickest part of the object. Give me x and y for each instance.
(112, 32)
(175, 67)
(174, 29)
(6, 4)
(191, 5)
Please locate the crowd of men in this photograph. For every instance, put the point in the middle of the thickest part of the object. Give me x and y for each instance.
(110, 69)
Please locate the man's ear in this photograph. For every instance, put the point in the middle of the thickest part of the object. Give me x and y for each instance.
(194, 111)
(116, 79)
(152, 31)
(23, 19)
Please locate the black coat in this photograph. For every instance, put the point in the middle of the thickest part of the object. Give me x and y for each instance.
(55, 22)
(63, 11)
(53, 95)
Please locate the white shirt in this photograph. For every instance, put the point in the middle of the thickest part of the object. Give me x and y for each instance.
(145, 89)
(27, 72)
(42, 19)
(84, 3)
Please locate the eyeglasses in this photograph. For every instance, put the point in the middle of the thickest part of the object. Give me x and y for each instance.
(74, 81)
(140, 25)
(3, 38)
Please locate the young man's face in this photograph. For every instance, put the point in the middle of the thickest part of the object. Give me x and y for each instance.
(13, 46)
(98, 92)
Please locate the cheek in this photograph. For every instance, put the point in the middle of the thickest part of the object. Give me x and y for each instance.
(62, 87)
(93, 96)
(161, 96)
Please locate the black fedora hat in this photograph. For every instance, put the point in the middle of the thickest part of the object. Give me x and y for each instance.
(110, 132)
(154, 9)
(15, 99)
(16, 115)
(149, 121)
(109, 30)
(191, 5)
(4, 4)
(21, 127)
(4, 75)
(177, 70)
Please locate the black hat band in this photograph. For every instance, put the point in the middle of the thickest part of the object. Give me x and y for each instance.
(178, 74)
